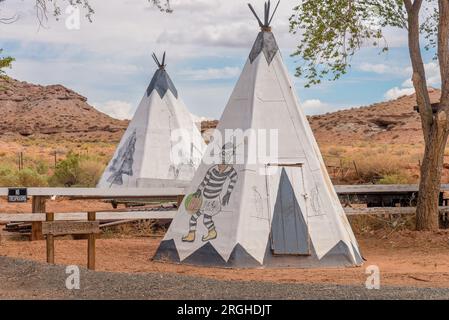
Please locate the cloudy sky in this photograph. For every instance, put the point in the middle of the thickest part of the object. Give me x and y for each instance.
(207, 43)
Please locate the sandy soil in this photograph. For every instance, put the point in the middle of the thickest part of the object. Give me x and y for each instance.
(404, 258)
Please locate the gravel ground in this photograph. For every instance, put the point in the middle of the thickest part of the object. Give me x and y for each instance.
(22, 279)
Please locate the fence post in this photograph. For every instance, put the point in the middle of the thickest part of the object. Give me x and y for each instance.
(50, 216)
(38, 206)
(179, 199)
(91, 216)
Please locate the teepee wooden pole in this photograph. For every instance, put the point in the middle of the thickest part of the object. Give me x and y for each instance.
(255, 14)
(274, 12)
(265, 16)
(163, 60)
(156, 60)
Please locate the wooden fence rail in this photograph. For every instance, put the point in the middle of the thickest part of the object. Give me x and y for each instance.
(97, 193)
(81, 216)
(41, 195)
(170, 214)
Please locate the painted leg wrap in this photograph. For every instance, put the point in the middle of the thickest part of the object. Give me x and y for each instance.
(193, 221)
(208, 222)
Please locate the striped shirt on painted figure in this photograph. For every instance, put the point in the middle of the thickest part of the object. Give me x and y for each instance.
(215, 179)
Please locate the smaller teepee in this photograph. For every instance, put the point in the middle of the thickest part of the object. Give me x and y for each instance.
(244, 213)
(162, 146)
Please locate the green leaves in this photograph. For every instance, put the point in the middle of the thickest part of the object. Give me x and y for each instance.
(5, 62)
(429, 27)
(333, 31)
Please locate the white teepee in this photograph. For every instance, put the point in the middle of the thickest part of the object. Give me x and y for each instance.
(244, 214)
(162, 146)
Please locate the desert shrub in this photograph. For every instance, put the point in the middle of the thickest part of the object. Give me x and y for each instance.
(30, 178)
(367, 224)
(416, 157)
(66, 171)
(335, 151)
(5, 169)
(400, 152)
(76, 170)
(41, 167)
(398, 178)
(8, 180)
(89, 172)
(376, 166)
(8, 177)
(382, 149)
(11, 177)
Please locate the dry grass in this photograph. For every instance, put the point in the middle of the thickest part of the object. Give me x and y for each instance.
(370, 224)
(362, 162)
(39, 160)
(375, 163)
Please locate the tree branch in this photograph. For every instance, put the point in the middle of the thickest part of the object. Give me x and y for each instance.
(417, 5)
(419, 73)
(443, 51)
(408, 5)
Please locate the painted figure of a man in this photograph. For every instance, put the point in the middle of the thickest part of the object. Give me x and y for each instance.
(210, 190)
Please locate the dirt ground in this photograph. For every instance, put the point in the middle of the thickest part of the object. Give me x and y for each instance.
(26, 279)
(405, 258)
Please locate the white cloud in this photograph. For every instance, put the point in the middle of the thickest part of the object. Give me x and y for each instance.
(433, 74)
(397, 92)
(195, 5)
(208, 101)
(109, 59)
(382, 68)
(116, 109)
(433, 80)
(379, 68)
(211, 73)
(407, 83)
(127, 28)
(315, 106)
(199, 119)
(211, 35)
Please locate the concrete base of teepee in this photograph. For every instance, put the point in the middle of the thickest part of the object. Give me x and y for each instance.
(207, 256)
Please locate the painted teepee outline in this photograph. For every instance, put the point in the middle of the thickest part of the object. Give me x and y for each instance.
(145, 155)
(123, 163)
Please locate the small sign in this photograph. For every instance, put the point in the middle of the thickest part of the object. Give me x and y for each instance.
(17, 195)
(59, 228)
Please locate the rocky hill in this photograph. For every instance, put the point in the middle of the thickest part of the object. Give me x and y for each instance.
(392, 121)
(34, 110)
